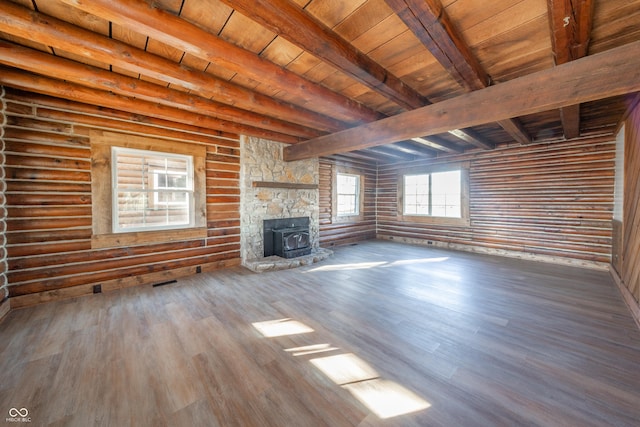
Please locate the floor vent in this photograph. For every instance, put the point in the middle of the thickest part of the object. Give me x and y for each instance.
(155, 285)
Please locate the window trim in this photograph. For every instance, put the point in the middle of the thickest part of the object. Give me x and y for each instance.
(356, 195)
(101, 190)
(464, 220)
(334, 195)
(115, 151)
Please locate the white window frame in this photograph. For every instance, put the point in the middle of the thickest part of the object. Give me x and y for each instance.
(356, 196)
(115, 152)
(429, 218)
(103, 235)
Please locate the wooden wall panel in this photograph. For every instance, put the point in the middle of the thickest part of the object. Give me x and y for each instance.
(630, 265)
(551, 200)
(333, 233)
(49, 201)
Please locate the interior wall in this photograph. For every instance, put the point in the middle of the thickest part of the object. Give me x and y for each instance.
(334, 232)
(551, 202)
(628, 267)
(48, 198)
(4, 290)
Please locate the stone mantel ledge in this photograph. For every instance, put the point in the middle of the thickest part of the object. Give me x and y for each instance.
(274, 263)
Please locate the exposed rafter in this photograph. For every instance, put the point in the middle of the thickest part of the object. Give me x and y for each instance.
(570, 22)
(430, 23)
(295, 25)
(20, 79)
(25, 23)
(174, 31)
(289, 21)
(41, 63)
(616, 70)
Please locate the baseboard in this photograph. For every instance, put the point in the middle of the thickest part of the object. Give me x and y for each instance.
(572, 262)
(634, 306)
(112, 285)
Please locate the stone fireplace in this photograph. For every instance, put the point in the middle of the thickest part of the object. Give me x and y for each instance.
(273, 189)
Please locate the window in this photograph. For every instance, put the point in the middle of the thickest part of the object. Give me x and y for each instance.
(348, 194)
(151, 190)
(438, 195)
(434, 194)
(146, 190)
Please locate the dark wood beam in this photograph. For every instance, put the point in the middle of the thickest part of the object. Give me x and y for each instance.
(617, 72)
(429, 21)
(570, 22)
(291, 22)
(167, 28)
(28, 24)
(20, 79)
(412, 148)
(436, 144)
(473, 139)
(42, 63)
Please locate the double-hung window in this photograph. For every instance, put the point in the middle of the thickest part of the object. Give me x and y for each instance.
(151, 190)
(146, 190)
(437, 195)
(348, 194)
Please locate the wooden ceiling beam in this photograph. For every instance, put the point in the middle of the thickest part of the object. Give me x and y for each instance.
(28, 24)
(436, 144)
(20, 79)
(292, 23)
(167, 28)
(570, 22)
(473, 138)
(428, 20)
(45, 64)
(617, 72)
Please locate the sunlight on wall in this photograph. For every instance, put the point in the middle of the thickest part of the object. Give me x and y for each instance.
(281, 327)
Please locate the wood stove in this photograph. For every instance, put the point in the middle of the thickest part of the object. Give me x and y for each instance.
(287, 237)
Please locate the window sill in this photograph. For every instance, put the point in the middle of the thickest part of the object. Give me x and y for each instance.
(435, 220)
(114, 240)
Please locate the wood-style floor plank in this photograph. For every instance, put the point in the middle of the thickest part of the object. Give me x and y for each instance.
(471, 340)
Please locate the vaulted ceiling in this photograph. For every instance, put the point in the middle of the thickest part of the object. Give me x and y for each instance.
(298, 70)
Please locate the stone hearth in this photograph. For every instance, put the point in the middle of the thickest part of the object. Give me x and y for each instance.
(292, 193)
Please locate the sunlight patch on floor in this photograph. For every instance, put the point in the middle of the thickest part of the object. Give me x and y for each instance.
(281, 327)
(310, 349)
(345, 368)
(366, 265)
(386, 398)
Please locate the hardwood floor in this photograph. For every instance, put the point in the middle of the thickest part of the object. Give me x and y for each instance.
(421, 336)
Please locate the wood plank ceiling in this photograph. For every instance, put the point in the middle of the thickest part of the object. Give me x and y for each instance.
(294, 70)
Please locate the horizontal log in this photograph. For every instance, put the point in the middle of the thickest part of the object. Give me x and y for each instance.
(59, 34)
(48, 199)
(53, 87)
(37, 62)
(162, 26)
(72, 107)
(33, 174)
(568, 84)
(67, 282)
(41, 247)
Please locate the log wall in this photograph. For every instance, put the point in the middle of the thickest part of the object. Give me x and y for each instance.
(629, 267)
(48, 196)
(551, 201)
(4, 290)
(334, 232)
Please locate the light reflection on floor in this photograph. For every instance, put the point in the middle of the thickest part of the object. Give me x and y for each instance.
(281, 327)
(384, 398)
(383, 264)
